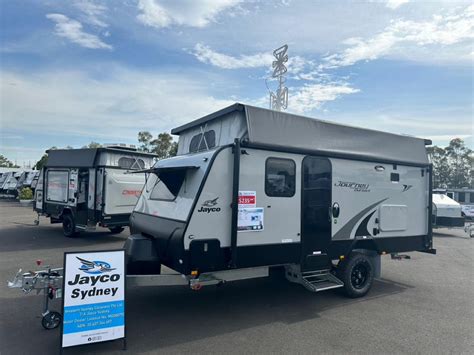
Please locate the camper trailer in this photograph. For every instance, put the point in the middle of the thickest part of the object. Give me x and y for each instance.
(254, 191)
(27, 178)
(446, 212)
(10, 186)
(83, 188)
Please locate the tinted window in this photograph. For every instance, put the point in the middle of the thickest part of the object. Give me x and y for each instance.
(168, 185)
(161, 192)
(461, 197)
(131, 163)
(280, 177)
(200, 142)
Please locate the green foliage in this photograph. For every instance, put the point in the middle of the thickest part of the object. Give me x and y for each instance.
(26, 194)
(40, 163)
(453, 166)
(93, 145)
(5, 163)
(144, 138)
(163, 145)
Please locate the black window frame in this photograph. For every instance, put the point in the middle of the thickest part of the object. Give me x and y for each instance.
(266, 174)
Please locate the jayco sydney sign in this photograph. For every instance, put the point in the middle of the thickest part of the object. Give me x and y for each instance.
(94, 297)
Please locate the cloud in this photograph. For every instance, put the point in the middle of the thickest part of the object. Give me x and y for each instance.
(394, 4)
(66, 103)
(440, 30)
(206, 55)
(93, 12)
(72, 30)
(313, 96)
(160, 14)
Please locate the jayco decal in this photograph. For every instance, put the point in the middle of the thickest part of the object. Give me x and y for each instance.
(209, 206)
(355, 186)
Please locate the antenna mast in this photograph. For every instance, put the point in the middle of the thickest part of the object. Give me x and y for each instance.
(279, 99)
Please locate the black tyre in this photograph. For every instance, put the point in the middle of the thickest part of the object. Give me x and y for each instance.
(69, 226)
(51, 320)
(357, 273)
(116, 230)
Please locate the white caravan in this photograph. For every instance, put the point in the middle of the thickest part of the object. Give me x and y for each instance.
(83, 188)
(446, 212)
(254, 190)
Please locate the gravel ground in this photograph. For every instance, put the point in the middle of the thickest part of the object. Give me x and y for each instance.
(421, 305)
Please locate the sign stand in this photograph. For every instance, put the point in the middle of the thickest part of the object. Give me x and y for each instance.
(93, 303)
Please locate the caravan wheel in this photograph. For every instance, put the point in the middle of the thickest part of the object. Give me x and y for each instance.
(69, 226)
(357, 273)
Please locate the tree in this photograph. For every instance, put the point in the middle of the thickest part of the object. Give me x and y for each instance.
(41, 163)
(440, 167)
(5, 163)
(453, 166)
(144, 137)
(92, 145)
(460, 160)
(163, 145)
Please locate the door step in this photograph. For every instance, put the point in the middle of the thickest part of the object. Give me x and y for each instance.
(314, 281)
(321, 280)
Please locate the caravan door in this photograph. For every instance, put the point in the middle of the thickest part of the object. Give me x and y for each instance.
(315, 215)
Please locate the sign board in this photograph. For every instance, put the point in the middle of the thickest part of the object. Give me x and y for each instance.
(250, 220)
(93, 297)
(247, 199)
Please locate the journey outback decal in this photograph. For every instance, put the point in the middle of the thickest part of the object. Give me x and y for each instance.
(209, 206)
(355, 186)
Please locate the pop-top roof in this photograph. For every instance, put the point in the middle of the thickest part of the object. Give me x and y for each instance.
(283, 130)
(83, 158)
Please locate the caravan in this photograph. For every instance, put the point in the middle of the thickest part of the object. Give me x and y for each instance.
(254, 191)
(83, 188)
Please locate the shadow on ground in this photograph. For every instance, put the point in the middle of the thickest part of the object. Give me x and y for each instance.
(160, 317)
(51, 237)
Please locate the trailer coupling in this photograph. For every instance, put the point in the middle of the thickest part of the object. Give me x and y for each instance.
(43, 280)
(50, 282)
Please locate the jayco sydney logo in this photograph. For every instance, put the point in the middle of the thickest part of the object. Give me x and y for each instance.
(100, 275)
(94, 267)
(209, 206)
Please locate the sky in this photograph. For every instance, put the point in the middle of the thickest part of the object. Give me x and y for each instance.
(77, 71)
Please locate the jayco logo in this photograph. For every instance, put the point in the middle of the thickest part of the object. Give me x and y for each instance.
(99, 277)
(94, 267)
(209, 206)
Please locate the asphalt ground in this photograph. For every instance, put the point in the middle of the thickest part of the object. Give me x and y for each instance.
(422, 305)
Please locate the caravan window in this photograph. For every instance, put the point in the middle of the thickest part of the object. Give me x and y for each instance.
(167, 185)
(131, 163)
(200, 143)
(280, 177)
(57, 186)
